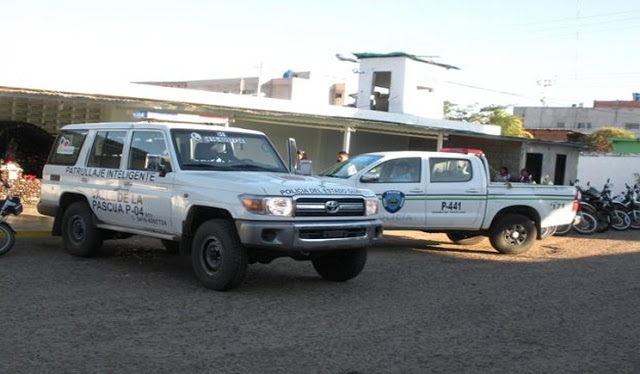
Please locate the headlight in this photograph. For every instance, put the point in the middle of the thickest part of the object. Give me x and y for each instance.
(277, 206)
(371, 205)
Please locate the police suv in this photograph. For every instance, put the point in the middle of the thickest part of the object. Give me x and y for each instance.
(222, 194)
(451, 192)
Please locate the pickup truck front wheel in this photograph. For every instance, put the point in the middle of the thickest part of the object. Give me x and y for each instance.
(218, 258)
(513, 234)
(464, 239)
(340, 266)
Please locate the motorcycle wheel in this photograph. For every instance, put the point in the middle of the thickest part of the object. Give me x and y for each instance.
(634, 218)
(546, 232)
(620, 220)
(7, 239)
(562, 230)
(587, 225)
(603, 221)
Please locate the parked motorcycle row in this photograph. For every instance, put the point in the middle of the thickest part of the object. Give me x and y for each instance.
(600, 211)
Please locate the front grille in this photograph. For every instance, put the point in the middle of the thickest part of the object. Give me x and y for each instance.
(315, 234)
(328, 207)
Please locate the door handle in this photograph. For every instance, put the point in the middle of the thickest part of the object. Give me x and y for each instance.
(416, 190)
(84, 179)
(473, 190)
(128, 184)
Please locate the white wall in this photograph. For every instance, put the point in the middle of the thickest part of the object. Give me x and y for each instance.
(406, 76)
(597, 167)
(549, 156)
(396, 94)
(549, 118)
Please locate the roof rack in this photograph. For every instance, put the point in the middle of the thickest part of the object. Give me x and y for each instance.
(181, 118)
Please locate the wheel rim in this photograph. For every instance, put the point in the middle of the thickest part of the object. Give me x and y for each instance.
(5, 238)
(212, 251)
(515, 235)
(77, 229)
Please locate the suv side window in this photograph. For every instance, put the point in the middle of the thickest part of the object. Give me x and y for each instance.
(106, 151)
(67, 147)
(450, 170)
(148, 151)
(401, 170)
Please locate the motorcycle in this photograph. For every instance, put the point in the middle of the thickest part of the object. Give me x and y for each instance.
(8, 205)
(607, 212)
(629, 203)
(586, 224)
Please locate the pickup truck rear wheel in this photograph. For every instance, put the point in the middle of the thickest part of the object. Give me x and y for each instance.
(513, 234)
(79, 235)
(340, 266)
(218, 258)
(464, 239)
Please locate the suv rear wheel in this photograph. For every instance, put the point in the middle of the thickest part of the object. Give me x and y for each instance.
(218, 258)
(79, 235)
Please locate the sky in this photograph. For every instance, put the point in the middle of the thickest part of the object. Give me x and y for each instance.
(510, 52)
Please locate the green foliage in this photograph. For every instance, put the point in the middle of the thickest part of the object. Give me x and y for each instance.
(599, 140)
(494, 115)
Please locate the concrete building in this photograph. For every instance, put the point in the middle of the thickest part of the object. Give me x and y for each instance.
(621, 114)
(294, 86)
(401, 83)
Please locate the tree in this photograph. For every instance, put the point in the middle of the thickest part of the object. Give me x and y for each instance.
(491, 115)
(599, 140)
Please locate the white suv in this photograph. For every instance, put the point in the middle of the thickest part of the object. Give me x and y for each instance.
(221, 194)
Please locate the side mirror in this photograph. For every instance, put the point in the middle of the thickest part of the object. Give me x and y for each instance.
(164, 169)
(305, 167)
(370, 177)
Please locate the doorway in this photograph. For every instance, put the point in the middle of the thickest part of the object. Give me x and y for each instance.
(561, 163)
(534, 165)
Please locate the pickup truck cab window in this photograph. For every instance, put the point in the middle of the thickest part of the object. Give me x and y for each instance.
(225, 151)
(450, 170)
(351, 166)
(106, 151)
(401, 170)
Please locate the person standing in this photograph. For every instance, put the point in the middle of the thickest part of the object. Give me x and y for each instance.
(342, 155)
(525, 177)
(503, 175)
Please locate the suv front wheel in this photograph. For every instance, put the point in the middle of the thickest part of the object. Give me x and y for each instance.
(218, 258)
(79, 234)
(340, 266)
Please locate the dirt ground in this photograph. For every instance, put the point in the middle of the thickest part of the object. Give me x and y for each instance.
(572, 246)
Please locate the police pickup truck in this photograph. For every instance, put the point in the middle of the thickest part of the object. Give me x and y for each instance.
(451, 192)
(221, 194)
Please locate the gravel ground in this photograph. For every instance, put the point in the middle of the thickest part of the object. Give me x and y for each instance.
(569, 305)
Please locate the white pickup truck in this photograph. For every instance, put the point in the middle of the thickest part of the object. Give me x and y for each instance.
(222, 194)
(452, 193)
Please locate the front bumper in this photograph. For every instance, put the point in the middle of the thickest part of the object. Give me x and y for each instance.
(309, 236)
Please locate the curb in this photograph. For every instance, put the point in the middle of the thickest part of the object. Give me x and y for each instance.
(33, 234)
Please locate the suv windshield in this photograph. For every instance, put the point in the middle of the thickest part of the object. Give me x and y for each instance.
(351, 166)
(226, 151)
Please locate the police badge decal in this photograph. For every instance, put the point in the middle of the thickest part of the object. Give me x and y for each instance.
(392, 201)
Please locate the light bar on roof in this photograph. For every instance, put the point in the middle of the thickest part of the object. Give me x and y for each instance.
(181, 117)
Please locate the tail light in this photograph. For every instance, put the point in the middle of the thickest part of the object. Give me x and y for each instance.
(576, 202)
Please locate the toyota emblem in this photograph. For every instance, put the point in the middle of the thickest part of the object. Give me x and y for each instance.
(332, 206)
